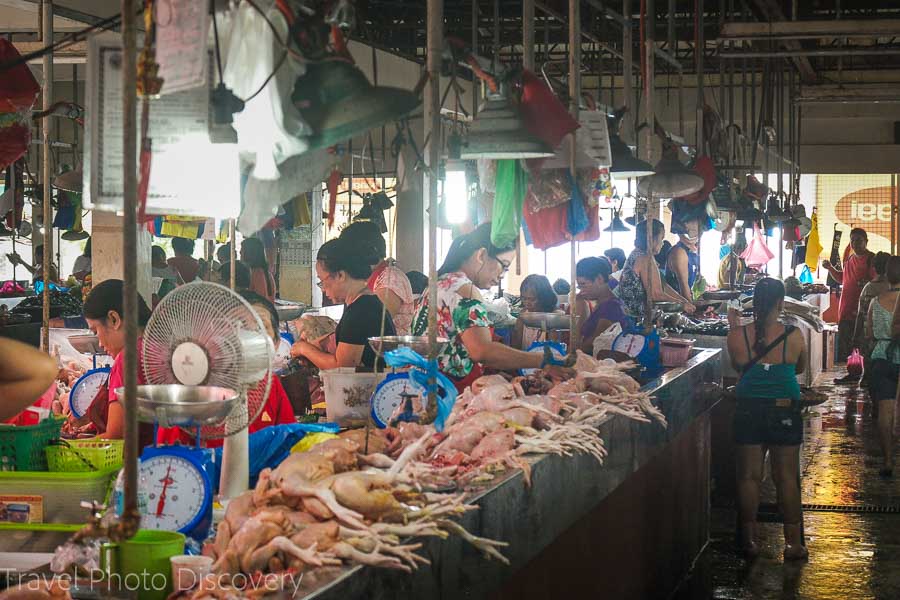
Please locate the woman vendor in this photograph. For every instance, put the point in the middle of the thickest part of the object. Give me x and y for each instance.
(597, 307)
(641, 278)
(104, 314)
(537, 296)
(473, 263)
(683, 261)
(277, 409)
(342, 266)
(389, 283)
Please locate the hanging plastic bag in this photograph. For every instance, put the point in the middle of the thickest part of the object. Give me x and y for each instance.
(512, 184)
(806, 275)
(855, 364)
(757, 253)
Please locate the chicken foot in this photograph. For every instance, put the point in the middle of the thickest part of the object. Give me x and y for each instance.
(486, 545)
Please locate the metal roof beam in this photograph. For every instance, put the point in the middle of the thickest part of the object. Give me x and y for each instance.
(846, 28)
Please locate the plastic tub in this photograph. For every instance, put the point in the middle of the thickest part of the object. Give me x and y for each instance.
(60, 494)
(348, 395)
(674, 352)
(72, 456)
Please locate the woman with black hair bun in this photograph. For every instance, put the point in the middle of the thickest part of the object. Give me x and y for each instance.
(473, 263)
(769, 356)
(389, 283)
(343, 278)
(105, 317)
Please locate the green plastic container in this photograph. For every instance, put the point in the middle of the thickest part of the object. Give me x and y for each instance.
(22, 448)
(142, 563)
(61, 493)
(76, 456)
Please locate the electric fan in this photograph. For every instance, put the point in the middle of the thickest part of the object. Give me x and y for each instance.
(203, 334)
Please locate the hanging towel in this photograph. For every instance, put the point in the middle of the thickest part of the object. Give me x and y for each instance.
(512, 184)
(813, 244)
(576, 216)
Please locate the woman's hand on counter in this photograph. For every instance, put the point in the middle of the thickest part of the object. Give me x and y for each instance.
(689, 308)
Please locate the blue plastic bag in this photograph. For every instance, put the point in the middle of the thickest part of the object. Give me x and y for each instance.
(445, 391)
(806, 275)
(271, 445)
(577, 219)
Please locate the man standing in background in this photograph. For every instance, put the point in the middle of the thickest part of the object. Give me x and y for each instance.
(857, 271)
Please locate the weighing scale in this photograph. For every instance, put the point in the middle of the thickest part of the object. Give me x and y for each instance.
(88, 385)
(554, 354)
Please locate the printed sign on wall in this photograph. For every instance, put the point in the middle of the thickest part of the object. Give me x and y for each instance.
(856, 201)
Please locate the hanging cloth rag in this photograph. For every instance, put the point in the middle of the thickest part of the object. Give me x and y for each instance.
(814, 246)
(757, 253)
(512, 185)
(334, 180)
(577, 220)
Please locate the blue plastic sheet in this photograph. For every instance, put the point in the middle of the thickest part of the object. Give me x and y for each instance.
(806, 275)
(577, 220)
(424, 370)
(271, 445)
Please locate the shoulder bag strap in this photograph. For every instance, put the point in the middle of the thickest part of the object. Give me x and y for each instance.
(787, 331)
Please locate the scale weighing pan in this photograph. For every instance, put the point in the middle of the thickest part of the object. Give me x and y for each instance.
(418, 343)
(550, 321)
(669, 308)
(86, 343)
(722, 295)
(289, 312)
(183, 405)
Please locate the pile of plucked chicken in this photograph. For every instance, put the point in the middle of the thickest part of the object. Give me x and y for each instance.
(360, 498)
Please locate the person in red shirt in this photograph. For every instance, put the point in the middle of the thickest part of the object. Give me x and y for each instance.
(184, 262)
(857, 271)
(277, 409)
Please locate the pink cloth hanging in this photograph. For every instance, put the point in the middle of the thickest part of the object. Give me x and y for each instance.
(757, 253)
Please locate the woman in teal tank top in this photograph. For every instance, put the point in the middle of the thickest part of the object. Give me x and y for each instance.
(884, 363)
(769, 356)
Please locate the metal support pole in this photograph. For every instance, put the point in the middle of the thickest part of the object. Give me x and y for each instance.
(435, 31)
(627, 81)
(130, 299)
(698, 52)
(574, 97)
(649, 84)
(476, 82)
(47, 173)
(233, 254)
(528, 34)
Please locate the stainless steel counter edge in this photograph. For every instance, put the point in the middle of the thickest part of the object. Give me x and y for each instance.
(563, 490)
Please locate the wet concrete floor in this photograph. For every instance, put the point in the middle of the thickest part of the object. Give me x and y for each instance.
(851, 517)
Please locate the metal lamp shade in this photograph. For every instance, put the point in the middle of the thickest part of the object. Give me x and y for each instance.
(70, 181)
(617, 225)
(75, 236)
(499, 133)
(672, 179)
(338, 102)
(595, 133)
(624, 163)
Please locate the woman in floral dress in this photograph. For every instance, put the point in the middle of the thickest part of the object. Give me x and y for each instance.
(473, 263)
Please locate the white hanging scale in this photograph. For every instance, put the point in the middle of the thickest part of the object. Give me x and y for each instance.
(395, 390)
(85, 390)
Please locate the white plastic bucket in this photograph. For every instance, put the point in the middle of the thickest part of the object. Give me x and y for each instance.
(348, 395)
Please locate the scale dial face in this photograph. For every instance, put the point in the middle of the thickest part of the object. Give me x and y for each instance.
(389, 395)
(172, 492)
(630, 344)
(85, 390)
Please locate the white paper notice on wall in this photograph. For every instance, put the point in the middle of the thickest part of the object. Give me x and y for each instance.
(189, 176)
(182, 28)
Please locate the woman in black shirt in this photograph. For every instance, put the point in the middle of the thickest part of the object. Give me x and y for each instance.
(343, 268)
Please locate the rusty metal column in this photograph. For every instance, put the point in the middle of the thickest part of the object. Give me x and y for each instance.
(47, 172)
(698, 58)
(649, 84)
(476, 81)
(432, 133)
(574, 98)
(130, 300)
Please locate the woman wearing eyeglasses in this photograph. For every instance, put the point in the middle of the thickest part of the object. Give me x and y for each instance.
(343, 270)
(473, 263)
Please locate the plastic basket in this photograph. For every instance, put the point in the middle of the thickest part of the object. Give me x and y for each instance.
(22, 448)
(674, 352)
(61, 494)
(75, 456)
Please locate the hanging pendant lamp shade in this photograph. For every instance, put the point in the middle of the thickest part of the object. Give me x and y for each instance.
(70, 181)
(595, 132)
(497, 132)
(338, 102)
(672, 178)
(774, 212)
(624, 164)
(75, 236)
(617, 225)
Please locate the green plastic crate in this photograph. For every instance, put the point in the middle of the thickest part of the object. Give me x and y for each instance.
(22, 448)
(61, 493)
(74, 456)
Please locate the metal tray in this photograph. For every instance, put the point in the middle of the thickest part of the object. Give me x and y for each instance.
(183, 405)
(86, 343)
(418, 343)
(550, 321)
(722, 295)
